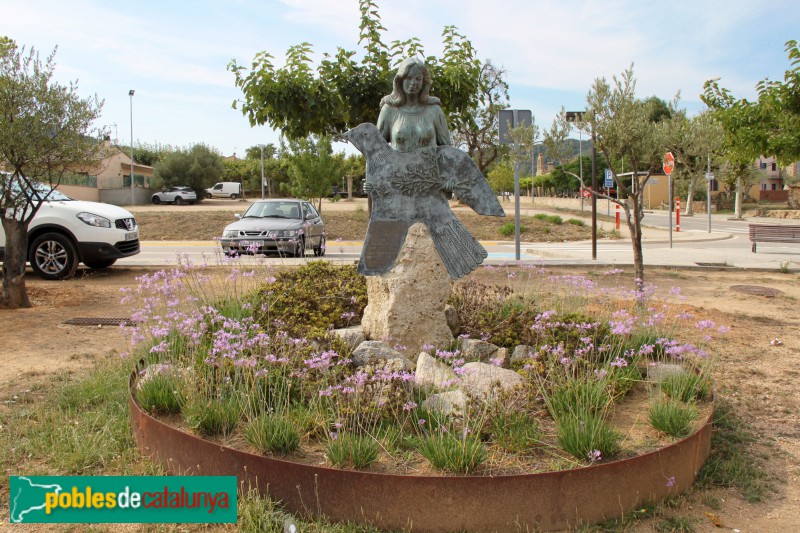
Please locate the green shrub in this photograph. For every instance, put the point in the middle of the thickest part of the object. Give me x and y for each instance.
(448, 452)
(312, 298)
(161, 393)
(516, 432)
(553, 219)
(348, 449)
(672, 417)
(272, 433)
(584, 436)
(507, 229)
(687, 386)
(587, 397)
(576, 222)
(212, 417)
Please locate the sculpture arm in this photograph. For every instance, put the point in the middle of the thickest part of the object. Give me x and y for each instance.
(385, 121)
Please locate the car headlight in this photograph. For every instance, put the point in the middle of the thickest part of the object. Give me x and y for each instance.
(94, 220)
(289, 233)
(230, 233)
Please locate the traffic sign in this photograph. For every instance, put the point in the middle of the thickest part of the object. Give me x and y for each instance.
(669, 163)
(609, 181)
(709, 176)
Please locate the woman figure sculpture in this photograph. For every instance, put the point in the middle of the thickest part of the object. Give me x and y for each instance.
(410, 118)
(410, 168)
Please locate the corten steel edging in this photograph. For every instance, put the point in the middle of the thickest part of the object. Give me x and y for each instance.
(535, 502)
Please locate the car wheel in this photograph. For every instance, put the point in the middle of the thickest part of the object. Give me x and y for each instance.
(234, 196)
(100, 263)
(156, 200)
(319, 251)
(53, 256)
(178, 200)
(301, 248)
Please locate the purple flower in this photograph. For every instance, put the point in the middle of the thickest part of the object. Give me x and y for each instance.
(594, 456)
(671, 481)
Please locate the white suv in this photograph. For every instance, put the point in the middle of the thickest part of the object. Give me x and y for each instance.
(66, 232)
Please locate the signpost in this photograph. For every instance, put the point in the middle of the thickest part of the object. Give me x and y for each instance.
(577, 116)
(509, 119)
(669, 166)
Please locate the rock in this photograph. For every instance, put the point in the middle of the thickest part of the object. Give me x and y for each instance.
(477, 350)
(352, 336)
(521, 353)
(482, 380)
(658, 372)
(368, 352)
(407, 305)
(447, 403)
(433, 373)
(451, 315)
(500, 358)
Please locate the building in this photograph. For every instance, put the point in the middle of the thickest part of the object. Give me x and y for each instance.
(109, 181)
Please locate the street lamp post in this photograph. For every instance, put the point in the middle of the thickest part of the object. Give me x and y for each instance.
(262, 170)
(133, 192)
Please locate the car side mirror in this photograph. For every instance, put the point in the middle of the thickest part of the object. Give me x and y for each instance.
(238, 215)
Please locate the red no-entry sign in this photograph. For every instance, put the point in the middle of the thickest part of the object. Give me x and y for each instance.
(669, 163)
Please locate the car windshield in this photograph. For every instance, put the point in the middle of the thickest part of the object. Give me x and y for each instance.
(273, 210)
(41, 188)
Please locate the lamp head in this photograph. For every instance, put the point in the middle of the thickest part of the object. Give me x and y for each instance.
(130, 93)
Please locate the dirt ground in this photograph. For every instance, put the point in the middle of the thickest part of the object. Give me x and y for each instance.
(757, 365)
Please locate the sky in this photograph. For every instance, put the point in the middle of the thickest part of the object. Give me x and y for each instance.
(174, 53)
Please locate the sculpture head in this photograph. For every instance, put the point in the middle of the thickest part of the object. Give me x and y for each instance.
(412, 74)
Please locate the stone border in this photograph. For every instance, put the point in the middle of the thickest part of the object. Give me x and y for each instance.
(538, 502)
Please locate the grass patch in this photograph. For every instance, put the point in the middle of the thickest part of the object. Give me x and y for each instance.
(507, 229)
(672, 417)
(453, 454)
(516, 432)
(552, 219)
(350, 449)
(732, 462)
(272, 433)
(212, 417)
(687, 386)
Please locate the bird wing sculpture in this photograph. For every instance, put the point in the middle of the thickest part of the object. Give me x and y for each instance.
(409, 187)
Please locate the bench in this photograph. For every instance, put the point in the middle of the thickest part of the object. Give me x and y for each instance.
(773, 233)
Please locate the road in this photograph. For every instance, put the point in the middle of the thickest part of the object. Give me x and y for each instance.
(726, 246)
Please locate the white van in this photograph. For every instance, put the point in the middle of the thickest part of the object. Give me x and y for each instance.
(225, 189)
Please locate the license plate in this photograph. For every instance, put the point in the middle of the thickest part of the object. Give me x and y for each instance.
(251, 243)
(131, 236)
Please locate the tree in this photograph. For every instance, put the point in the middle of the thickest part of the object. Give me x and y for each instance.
(342, 92)
(695, 142)
(45, 130)
(622, 127)
(769, 126)
(313, 168)
(501, 177)
(199, 167)
(476, 130)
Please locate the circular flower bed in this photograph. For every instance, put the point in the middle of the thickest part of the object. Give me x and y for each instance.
(264, 365)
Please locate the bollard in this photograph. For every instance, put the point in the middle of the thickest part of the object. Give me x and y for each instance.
(617, 217)
(677, 214)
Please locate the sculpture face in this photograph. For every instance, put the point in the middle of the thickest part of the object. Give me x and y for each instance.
(412, 83)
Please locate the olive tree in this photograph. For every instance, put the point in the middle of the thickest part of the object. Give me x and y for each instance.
(623, 127)
(45, 131)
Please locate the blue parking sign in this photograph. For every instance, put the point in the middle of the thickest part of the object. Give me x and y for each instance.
(609, 181)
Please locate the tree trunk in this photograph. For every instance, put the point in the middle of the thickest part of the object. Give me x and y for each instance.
(634, 221)
(737, 210)
(15, 295)
(349, 187)
(690, 196)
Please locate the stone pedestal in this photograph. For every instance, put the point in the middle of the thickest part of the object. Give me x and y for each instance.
(406, 306)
